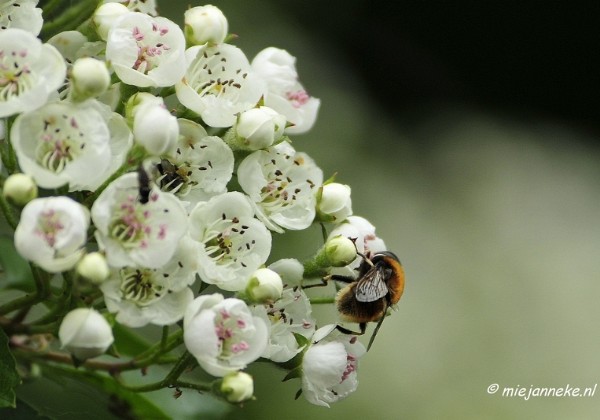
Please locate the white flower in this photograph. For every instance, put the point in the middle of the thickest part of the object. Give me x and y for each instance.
(68, 43)
(222, 334)
(292, 314)
(218, 84)
(265, 286)
(198, 167)
(154, 127)
(290, 270)
(21, 14)
(329, 368)
(334, 202)
(20, 189)
(89, 78)
(158, 296)
(286, 94)
(367, 242)
(146, 51)
(258, 128)
(52, 232)
(237, 387)
(29, 71)
(282, 184)
(134, 232)
(62, 143)
(233, 243)
(205, 24)
(143, 6)
(85, 333)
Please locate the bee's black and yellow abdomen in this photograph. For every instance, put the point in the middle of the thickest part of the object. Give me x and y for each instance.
(351, 310)
(395, 282)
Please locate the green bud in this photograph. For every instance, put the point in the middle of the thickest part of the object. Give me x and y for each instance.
(20, 189)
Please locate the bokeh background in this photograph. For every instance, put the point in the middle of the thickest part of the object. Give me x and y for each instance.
(469, 134)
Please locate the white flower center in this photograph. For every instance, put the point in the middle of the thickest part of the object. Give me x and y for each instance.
(224, 241)
(15, 75)
(130, 224)
(150, 47)
(61, 141)
(139, 286)
(210, 75)
(229, 331)
(298, 98)
(281, 190)
(49, 226)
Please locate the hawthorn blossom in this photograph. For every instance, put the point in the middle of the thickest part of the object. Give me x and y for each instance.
(205, 24)
(285, 94)
(233, 243)
(153, 125)
(290, 315)
(282, 184)
(334, 203)
(222, 334)
(256, 128)
(198, 167)
(59, 144)
(21, 14)
(134, 232)
(29, 71)
(52, 233)
(159, 296)
(218, 84)
(143, 6)
(329, 367)
(146, 51)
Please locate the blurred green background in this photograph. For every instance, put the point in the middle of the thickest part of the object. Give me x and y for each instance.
(469, 137)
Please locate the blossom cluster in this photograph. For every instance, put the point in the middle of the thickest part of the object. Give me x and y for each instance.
(155, 163)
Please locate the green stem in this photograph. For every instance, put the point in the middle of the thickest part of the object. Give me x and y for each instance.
(185, 361)
(171, 342)
(8, 212)
(321, 300)
(43, 291)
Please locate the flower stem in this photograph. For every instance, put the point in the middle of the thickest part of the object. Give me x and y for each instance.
(8, 212)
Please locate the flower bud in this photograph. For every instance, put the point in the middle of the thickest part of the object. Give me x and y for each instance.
(334, 202)
(105, 16)
(205, 24)
(338, 251)
(237, 387)
(93, 266)
(153, 125)
(89, 79)
(258, 128)
(85, 333)
(264, 286)
(20, 189)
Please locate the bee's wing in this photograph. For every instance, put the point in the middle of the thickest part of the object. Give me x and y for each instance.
(371, 286)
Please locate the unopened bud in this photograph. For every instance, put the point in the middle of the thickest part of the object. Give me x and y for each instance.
(20, 189)
(264, 286)
(237, 387)
(85, 333)
(89, 79)
(258, 128)
(105, 16)
(334, 202)
(205, 24)
(93, 266)
(338, 251)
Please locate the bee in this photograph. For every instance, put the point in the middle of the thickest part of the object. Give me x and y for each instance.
(170, 178)
(144, 185)
(379, 285)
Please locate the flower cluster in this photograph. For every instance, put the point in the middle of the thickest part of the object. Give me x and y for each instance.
(150, 167)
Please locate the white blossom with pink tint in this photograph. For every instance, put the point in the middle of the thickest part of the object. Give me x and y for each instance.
(146, 51)
(222, 334)
(282, 184)
(286, 94)
(219, 84)
(329, 367)
(52, 233)
(138, 228)
(29, 71)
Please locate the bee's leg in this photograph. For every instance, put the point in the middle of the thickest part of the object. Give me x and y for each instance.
(343, 330)
(377, 327)
(325, 281)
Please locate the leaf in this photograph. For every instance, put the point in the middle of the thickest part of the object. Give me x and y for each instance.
(71, 394)
(17, 273)
(9, 378)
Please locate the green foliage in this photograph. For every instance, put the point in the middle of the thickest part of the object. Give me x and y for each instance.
(9, 378)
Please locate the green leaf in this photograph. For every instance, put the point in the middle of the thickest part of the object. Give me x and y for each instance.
(71, 394)
(17, 273)
(9, 378)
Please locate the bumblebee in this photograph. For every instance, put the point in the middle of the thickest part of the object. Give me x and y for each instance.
(379, 285)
